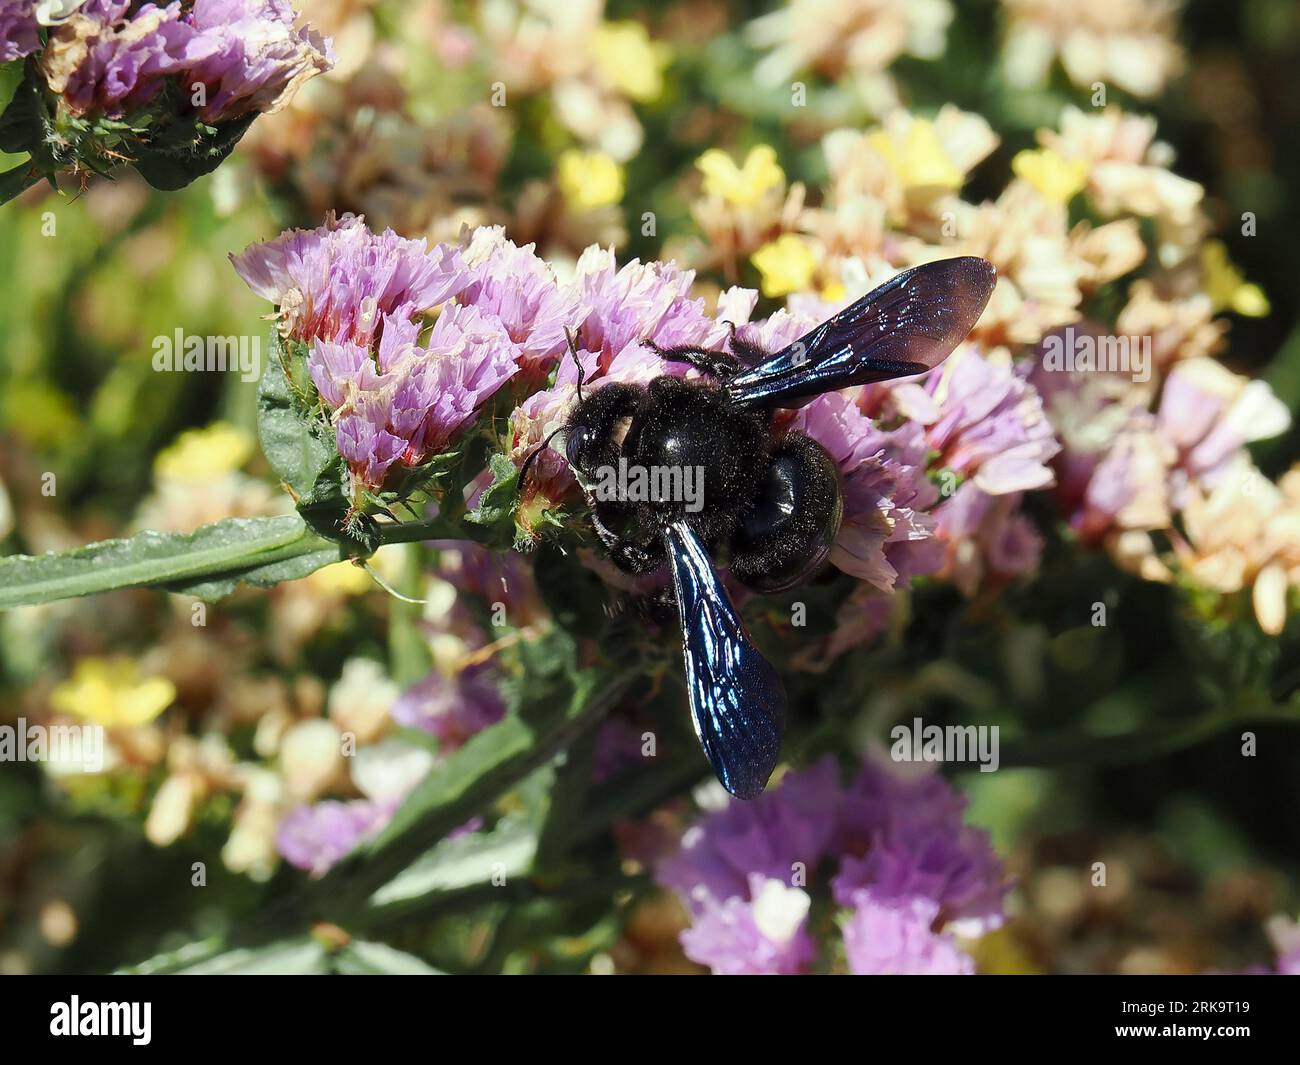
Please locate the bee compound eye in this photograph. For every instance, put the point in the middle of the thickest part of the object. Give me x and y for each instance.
(574, 445)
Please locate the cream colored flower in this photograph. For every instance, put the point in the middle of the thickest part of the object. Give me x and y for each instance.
(1106, 252)
(197, 480)
(361, 698)
(744, 185)
(251, 846)
(1180, 326)
(1128, 173)
(173, 809)
(1024, 235)
(311, 759)
(629, 61)
(742, 208)
(855, 37)
(593, 69)
(1132, 43)
(1054, 176)
(909, 162)
(202, 454)
(1245, 533)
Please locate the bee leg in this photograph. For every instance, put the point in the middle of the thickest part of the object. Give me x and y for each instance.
(746, 352)
(717, 364)
(627, 555)
(659, 606)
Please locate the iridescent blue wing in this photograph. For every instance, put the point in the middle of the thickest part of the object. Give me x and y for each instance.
(737, 700)
(908, 325)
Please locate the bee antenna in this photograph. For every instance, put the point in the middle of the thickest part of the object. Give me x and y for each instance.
(532, 455)
(573, 350)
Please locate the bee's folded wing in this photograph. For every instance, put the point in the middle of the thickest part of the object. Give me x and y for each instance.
(906, 326)
(737, 700)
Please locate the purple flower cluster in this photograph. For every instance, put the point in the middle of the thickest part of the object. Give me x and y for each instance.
(519, 289)
(451, 708)
(357, 298)
(886, 535)
(19, 29)
(255, 60)
(908, 871)
(230, 57)
(315, 837)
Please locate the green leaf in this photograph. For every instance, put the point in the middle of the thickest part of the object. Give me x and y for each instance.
(18, 180)
(567, 800)
(11, 76)
(296, 955)
(296, 444)
(208, 562)
(24, 125)
(495, 513)
(25, 130)
(573, 594)
(552, 711)
(364, 958)
(174, 158)
(467, 861)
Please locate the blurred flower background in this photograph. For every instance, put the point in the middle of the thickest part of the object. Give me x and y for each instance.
(1102, 563)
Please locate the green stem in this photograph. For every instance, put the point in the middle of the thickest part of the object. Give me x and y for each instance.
(108, 566)
(408, 652)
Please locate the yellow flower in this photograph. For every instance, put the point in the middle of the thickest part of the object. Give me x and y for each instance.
(201, 454)
(589, 179)
(918, 159)
(342, 578)
(999, 953)
(111, 692)
(1225, 285)
(786, 265)
(629, 61)
(1057, 178)
(740, 186)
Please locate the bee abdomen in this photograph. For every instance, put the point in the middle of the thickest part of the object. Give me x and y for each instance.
(787, 535)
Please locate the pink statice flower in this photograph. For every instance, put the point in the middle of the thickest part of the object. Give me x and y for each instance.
(886, 536)
(106, 59)
(19, 29)
(636, 302)
(764, 934)
(519, 289)
(368, 448)
(903, 837)
(314, 837)
(453, 709)
(469, 356)
(253, 57)
(986, 540)
(783, 833)
(1209, 414)
(884, 938)
(340, 281)
(1112, 471)
(908, 869)
(229, 57)
(988, 424)
(356, 298)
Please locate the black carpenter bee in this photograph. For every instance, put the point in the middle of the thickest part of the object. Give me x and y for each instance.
(771, 503)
